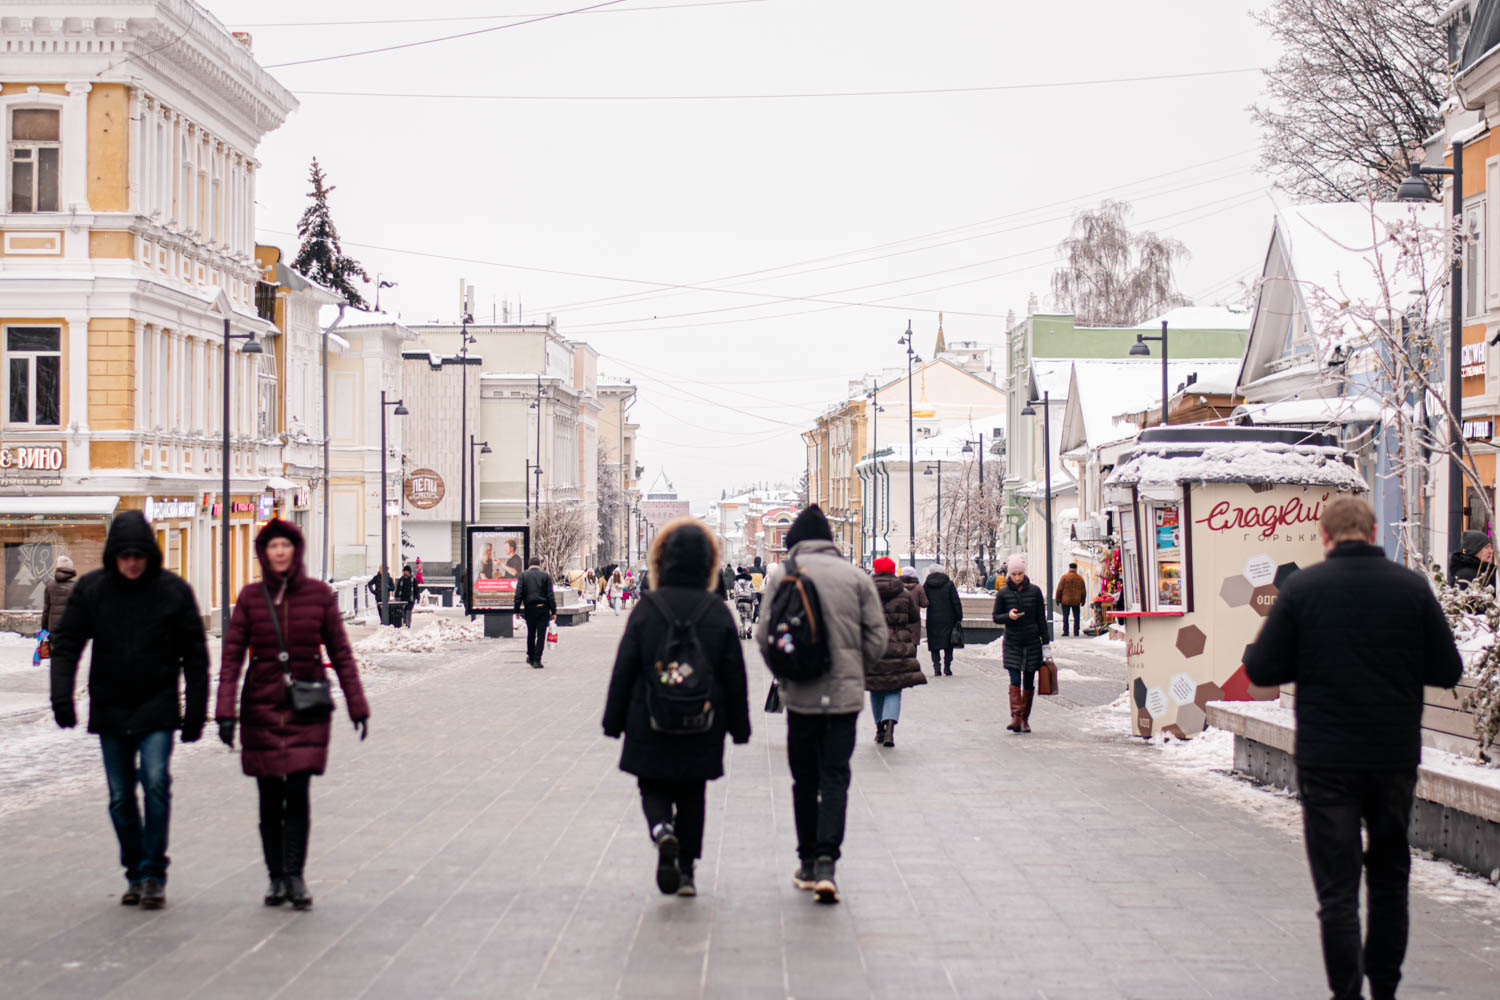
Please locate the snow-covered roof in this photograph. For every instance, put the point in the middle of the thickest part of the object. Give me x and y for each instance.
(1200, 318)
(1315, 411)
(1168, 456)
(944, 447)
(1052, 376)
(1102, 390)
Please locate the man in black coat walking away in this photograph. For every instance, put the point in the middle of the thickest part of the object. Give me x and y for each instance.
(538, 604)
(1359, 636)
(945, 619)
(146, 632)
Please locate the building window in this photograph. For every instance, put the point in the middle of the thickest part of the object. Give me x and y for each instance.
(33, 375)
(1474, 259)
(35, 149)
(265, 301)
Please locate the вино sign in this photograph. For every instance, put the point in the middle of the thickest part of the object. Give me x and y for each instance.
(45, 458)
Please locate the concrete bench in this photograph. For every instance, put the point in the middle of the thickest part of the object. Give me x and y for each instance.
(575, 614)
(1457, 810)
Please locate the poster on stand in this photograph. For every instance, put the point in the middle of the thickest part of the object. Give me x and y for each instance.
(495, 555)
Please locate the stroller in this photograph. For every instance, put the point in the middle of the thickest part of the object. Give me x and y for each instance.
(744, 604)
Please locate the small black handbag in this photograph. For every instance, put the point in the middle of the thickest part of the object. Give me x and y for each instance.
(312, 700)
(957, 640)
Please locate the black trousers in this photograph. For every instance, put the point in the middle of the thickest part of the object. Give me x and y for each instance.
(1334, 804)
(818, 748)
(536, 631)
(679, 803)
(285, 819)
(947, 656)
(1077, 612)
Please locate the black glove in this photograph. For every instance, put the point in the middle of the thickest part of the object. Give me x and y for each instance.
(192, 734)
(226, 732)
(362, 726)
(63, 712)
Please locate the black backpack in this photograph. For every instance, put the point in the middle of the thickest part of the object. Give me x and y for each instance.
(797, 639)
(680, 679)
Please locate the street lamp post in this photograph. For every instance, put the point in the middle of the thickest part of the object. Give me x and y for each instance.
(875, 410)
(1416, 189)
(1046, 404)
(397, 410)
(466, 338)
(484, 449)
(252, 346)
(928, 472)
(969, 445)
(535, 468)
(1140, 350)
(911, 449)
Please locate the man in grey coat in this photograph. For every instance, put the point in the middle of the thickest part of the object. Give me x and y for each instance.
(822, 713)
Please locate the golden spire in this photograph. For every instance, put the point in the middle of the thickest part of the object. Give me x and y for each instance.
(942, 343)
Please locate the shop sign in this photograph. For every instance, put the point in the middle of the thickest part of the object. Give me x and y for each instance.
(157, 510)
(1269, 519)
(299, 498)
(1479, 430)
(266, 504)
(424, 489)
(1471, 360)
(26, 465)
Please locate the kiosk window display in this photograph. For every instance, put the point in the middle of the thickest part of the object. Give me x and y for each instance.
(1213, 521)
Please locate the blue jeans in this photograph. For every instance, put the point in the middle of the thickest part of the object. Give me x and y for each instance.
(886, 705)
(1017, 677)
(143, 846)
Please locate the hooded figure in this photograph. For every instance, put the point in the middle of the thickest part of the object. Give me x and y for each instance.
(279, 748)
(148, 637)
(55, 595)
(1473, 563)
(945, 614)
(672, 768)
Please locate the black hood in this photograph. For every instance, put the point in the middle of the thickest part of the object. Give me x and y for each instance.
(937, 578)
(811, 523)
(130, 530)
(277, 528)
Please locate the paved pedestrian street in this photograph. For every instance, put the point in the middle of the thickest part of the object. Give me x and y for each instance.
(482, 843)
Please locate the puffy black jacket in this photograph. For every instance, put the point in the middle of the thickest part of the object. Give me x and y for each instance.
(945, 610)
(406, 589)
(535, 588)
(146, 633)
(1025, 636)
(1359, 635)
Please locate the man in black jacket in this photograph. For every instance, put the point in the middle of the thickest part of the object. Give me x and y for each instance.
(406, 593)
(144, 624)
(535, 600)
(1359, 636)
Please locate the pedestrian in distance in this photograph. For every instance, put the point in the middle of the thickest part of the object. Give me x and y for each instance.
(147, 635)
(898, 667)
(537, 603)
(55, 594)
(821, 714)
(1021, 607)
(406, 593)
(913, 585)
(680, 650)
(1474, 563)
(615, 591)
(280, 625)
(945, 616)
(1360, 636)
(390, 595)
(1071, 594)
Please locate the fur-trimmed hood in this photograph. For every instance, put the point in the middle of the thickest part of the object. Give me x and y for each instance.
(684, 554)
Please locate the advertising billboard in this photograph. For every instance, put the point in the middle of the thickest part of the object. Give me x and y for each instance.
(495, 555)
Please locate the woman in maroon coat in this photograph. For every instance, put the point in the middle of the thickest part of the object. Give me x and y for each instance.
(280, 750)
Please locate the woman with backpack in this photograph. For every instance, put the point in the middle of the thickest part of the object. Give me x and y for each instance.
(678, 687)
(898, 667)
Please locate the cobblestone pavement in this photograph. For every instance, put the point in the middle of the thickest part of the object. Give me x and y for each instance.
(482, 843)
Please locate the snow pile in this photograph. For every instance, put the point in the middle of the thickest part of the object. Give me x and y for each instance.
(991, 650)
(1239, 462)
(1474, 637)
(16, 639)
(438, 633)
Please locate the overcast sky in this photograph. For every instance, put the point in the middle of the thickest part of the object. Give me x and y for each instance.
(913, 202)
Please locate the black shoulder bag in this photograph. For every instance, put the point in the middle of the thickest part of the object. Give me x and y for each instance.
(310, 699)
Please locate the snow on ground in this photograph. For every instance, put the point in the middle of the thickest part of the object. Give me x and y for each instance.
(425, 640)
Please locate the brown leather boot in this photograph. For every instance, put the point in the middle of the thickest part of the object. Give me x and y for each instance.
(1027, 697)
(1015, 709)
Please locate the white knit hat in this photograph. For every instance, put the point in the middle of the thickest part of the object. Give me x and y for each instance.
(1015, 564)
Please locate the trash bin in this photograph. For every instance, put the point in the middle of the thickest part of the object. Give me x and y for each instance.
(396, 611)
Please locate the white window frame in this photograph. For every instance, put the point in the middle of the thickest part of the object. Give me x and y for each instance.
(1474, 259)
(31, 382)
(13, 146)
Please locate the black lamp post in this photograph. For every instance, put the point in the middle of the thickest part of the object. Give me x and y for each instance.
(968, 449)
(1416, 189)
(535, 468)
(911, 449)
(397, 410)
(484, 449)
(928, 472)
(875, 410)
(1140, 350)
(465, 338)
(252, 346)
(1029, 411)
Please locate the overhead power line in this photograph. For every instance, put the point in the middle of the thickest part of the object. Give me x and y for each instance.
(444, 38)
(807, 95)
(484, 17)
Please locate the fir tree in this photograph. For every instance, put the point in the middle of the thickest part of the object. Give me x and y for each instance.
(321, 256)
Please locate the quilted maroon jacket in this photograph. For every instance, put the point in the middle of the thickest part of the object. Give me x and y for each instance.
(274, 742)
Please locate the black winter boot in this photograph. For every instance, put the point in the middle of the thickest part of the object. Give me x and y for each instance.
(879, 732)
(271, 849)
(294, 851)
(825, 889)
(937, 668)
(948, 662)
(890, 732)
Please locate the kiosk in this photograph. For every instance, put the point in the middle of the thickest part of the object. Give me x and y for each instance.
(1212, 522)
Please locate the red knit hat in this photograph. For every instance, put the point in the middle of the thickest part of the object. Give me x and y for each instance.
(885, 564)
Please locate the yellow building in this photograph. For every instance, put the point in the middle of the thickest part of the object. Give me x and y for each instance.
(127, 219)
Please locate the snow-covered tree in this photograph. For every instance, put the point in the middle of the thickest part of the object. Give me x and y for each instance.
(321, 256)
(970, 520)
(557, 532)
(1355, 91)
(1111, 276)
(611, 503)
